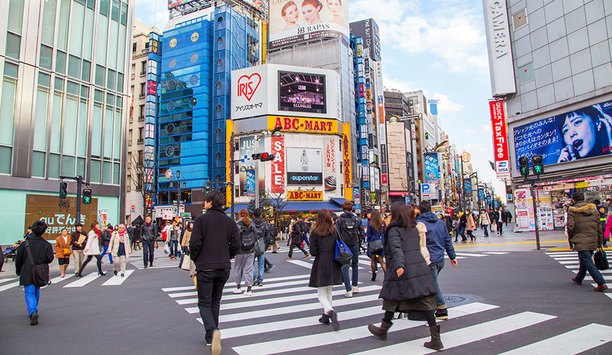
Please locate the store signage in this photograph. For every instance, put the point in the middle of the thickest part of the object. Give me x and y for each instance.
(500, 138)
(278, 165)
(330, 167)
(304, 166)
(499, 45)
(300, 195)
(384, 178)
(47, 208)
(346, 160)
(248, 85)
(303, 125)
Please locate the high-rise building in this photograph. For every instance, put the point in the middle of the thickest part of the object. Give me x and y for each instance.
(63, 110)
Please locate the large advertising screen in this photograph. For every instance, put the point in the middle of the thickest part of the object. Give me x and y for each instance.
(304, 166)
(294, 21)
(432, 167)
(579, 134)
(301, 92)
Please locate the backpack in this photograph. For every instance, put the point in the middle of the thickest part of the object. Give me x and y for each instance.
(248, 238)
(349, 229)
(270, 234)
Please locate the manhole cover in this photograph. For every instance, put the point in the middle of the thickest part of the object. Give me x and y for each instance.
(456, 300)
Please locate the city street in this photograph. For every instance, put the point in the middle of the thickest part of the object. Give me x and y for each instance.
(519, 300)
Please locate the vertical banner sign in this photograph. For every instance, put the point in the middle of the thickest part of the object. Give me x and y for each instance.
(245, 150)
(329, 167)
(467, 186)
(432, 167)
(278, 165)
(497, 31)
(250, 182)
(229, 164)
(500, 138)
(346, 160)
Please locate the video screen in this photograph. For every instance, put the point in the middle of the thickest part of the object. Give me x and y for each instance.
(301, 92)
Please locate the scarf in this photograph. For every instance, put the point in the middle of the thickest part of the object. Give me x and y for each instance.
(98, 233)
(121, 236)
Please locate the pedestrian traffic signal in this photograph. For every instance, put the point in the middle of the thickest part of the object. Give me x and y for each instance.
(63, 190)
(524, 166)
(263, 156)
(538, 165)
(87, 196)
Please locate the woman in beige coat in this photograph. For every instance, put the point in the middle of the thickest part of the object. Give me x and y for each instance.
(470, 225)
(120, 248)
(185, 247)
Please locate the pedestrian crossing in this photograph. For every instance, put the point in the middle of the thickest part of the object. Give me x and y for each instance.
(282, 317)
(70, 281)
(570, 261)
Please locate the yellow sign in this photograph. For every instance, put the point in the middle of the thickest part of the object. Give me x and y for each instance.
(347, 160)
(303, 125)
(194, 37)
(173, 43)
(582, 185)
(299, 195)
(229, 165)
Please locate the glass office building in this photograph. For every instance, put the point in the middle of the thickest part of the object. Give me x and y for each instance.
(63, 99)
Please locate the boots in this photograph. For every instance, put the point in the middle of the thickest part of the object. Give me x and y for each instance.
(373, 275)
(436, 342)
(380, 332)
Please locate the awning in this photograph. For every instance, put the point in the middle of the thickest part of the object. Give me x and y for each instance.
(338, 200)
(294, 206)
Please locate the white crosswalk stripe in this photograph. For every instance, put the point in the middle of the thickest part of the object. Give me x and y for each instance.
(118, 280)
(571, 262)
(7, 280)
(83, 280)
(8, 286)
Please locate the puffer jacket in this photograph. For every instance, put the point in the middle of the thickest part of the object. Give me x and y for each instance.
(583, 228)
(438, 238)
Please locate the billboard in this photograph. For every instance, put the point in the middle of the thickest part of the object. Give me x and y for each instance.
(246, 148)
(304, 166)
(368, 30)
(46, 208)
(303, 125)
(432, 167)
(294, 21)
(500, 138)
(331, 164)
(278, 164)
(575, 135)
(301, 92)
(347, 160)
(500, 50)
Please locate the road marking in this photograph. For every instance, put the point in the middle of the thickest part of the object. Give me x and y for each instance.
(572, 342)
(457, 257)
(7, 280)
(156, 267)
(270, 281)
(301, 263)
(465, 335)
(497, 252)
(9, 286)
(117, 280)
(83, 280)
(344, 335)
(469, 254)
(59, 279)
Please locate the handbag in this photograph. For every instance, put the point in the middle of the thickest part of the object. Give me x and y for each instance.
(40, 272)
(260, 247)
(185, 262)
(601, 260)
(67, 252)
(342, 253)
(494, 227)
(376, 246)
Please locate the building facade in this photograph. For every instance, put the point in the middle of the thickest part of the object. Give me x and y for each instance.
(63, 111)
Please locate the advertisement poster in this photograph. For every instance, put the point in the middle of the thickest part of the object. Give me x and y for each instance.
(304, 166)
(331, 165)
(278, 165)
(432, 167)
(293, 21)
(522, 220)
(46, 208)
(500, 138)
(245, 150)
(467, 186)
(583, 133)
(301, 92)
(249, 182)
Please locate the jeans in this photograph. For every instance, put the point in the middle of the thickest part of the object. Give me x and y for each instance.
(32, 296)
(210, 289)
(353, 264)
(462, 233)
(148, 249)
(500, 228)
(174, 248)
(104, 252)
(486, 230)
(435, 270)
(258, 267)
(586, 264)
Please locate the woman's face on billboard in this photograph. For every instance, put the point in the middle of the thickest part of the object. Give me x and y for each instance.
(580, 132)
(311, 13)
(291, 14)
(335, 7)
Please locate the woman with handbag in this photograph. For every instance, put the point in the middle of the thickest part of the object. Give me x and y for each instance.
(92, 249)
(409, 286)
(325, 272)
(120, 248)
(185, 247)
(375, 240)
(62, 251)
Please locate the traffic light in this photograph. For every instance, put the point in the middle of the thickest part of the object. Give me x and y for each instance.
(263, 156)
(524, 166)
(87, 196)
(62, 190)
(538, 165)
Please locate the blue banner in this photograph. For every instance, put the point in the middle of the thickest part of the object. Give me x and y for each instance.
(583, 133)
(250, 182)
(467, 186)
(481, 193)
(432, 167)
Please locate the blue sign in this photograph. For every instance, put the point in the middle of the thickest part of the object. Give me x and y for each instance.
(250, 182)
(583, 133)
(481, 193)
(432, 167)
(467, 186)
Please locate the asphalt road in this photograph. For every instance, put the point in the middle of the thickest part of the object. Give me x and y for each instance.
(502, 301)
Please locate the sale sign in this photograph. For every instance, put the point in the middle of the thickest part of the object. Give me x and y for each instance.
(500, 138)
(278, 165)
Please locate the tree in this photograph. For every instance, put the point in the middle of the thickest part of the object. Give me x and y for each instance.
(136, 174)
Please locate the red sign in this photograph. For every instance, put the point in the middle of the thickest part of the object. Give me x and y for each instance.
(384, 178)
(500, 136)
(278, 165)
(151, 87)
(248, 84)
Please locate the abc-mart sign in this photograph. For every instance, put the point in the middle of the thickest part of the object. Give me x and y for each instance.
(256, 91)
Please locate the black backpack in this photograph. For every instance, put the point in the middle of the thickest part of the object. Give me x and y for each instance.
(349, 229)
(270, 234)
(248, 238)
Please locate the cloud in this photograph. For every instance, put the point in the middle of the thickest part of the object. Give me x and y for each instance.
(393, 84)
(469, 131)
(446, 105)
(487, 128)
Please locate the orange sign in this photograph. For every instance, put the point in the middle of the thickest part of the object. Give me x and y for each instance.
(346, 160)
(300, 195)
(303, 125)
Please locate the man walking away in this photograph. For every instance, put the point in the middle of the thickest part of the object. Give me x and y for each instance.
(259, 263)
(295, 231)
(148, 232)
(438, 240)
(350, 230)
(585, 235)
(77, 241)
(214, 242)
(105, 240)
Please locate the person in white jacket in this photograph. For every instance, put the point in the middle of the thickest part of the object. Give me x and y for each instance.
(92, 249)
(120, 248)
(484, 221)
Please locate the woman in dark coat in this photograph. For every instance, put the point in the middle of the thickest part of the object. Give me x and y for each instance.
(42, 253)
(325, 272)
(409, 286)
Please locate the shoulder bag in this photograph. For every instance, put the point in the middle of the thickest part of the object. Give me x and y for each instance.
(601, 260)
(342, 254)
(185, 262)
(40, 272)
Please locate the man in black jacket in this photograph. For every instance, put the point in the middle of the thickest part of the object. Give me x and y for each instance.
(350, 230)
(105, 238)
(215, 240)
(148, 233)
(42, 253)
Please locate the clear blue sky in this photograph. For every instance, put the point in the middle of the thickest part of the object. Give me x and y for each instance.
(437, 46)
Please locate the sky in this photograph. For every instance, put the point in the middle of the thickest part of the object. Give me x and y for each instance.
(437, 46)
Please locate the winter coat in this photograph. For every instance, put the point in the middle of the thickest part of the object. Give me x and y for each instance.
(373, 235)
(402, 250)
(148, 233)
(106, 237)
(253, 229)
(470, 224)
(583, 227)
(438, 237)
(113, 246)
(74, 240)
(325, 270)
(484, 219)
(186, 238)
(42, 253)
(214, 240)
(495, 216)
(608, 230)
(60, 245)
(295, 230)
(92, 247)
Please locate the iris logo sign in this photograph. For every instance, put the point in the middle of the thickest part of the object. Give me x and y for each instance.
(248, 84)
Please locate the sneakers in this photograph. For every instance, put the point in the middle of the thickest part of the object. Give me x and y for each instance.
(442, 314)
(237, 291)
(34, 318)
(288, 258)
(355, 290)
(324, 319)
(122, 275)
(601, 288)
(576, 281)
(248, 293)
(215, 346)
(348, 294)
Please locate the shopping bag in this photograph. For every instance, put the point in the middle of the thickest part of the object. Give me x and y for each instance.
(185, 262)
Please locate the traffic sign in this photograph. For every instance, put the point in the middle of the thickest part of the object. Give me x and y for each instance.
(425, 191)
